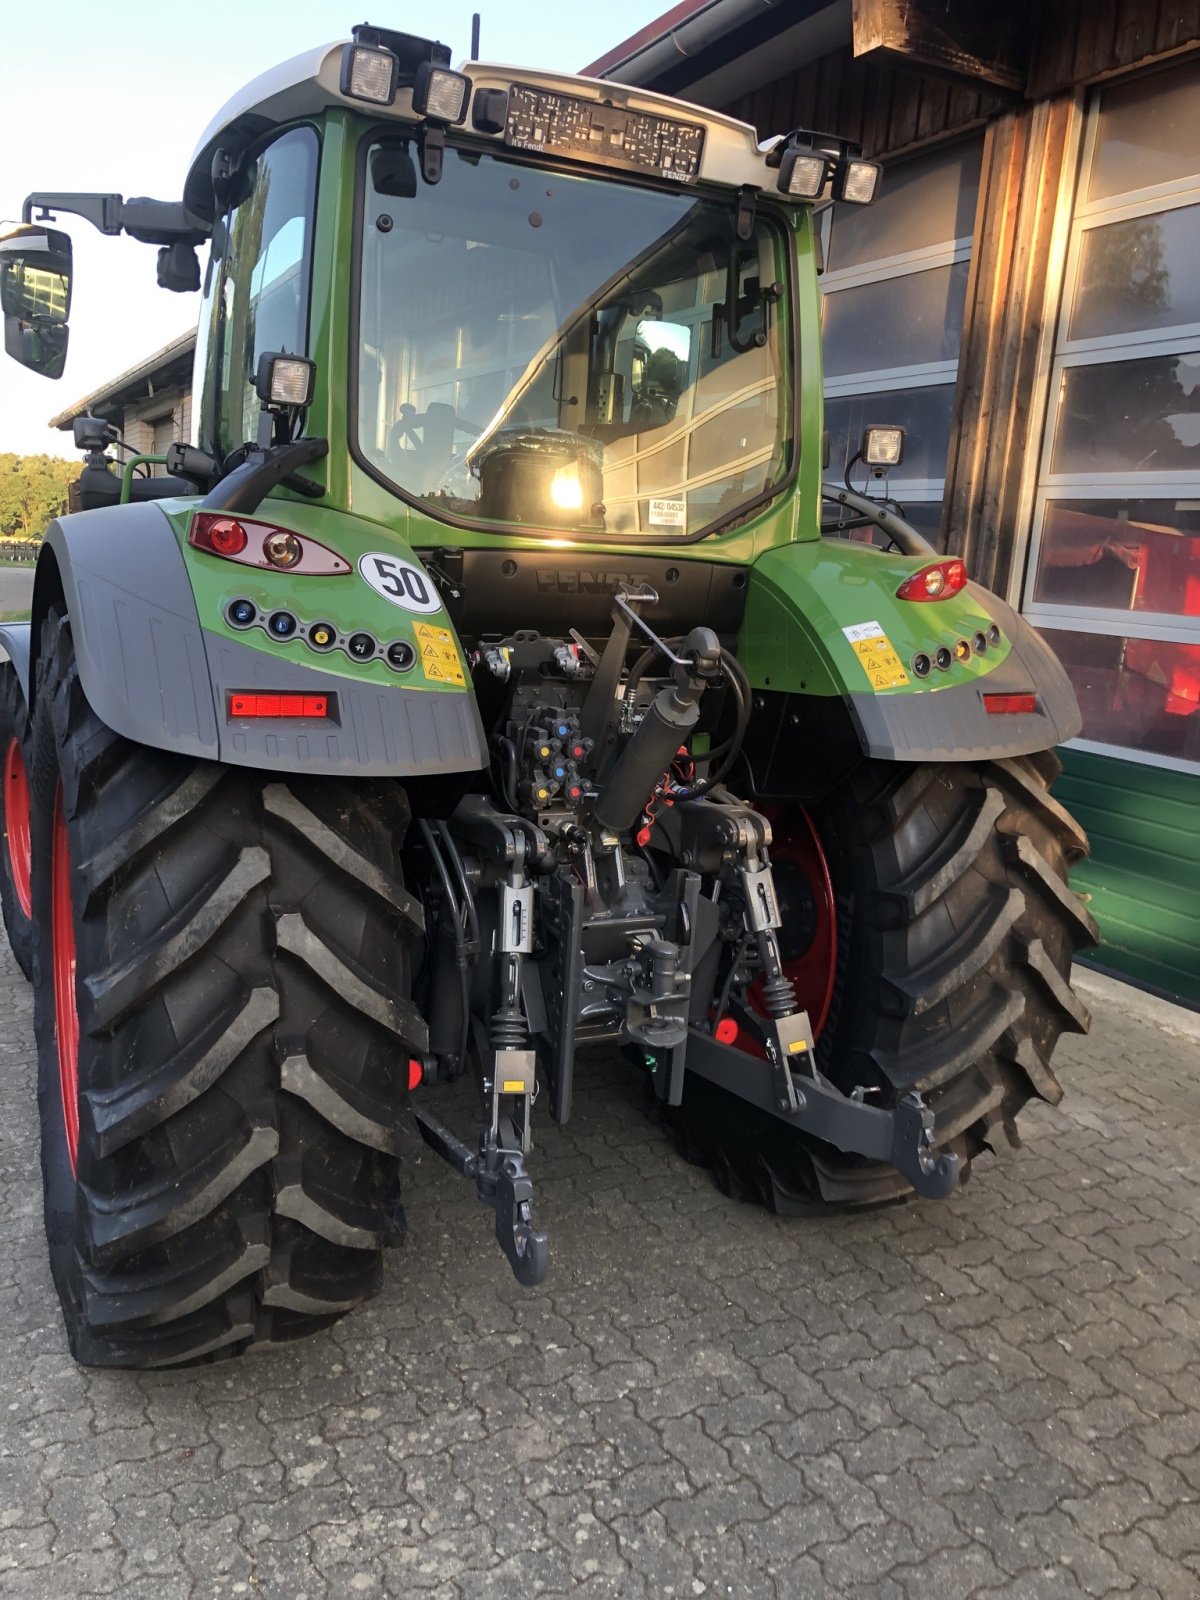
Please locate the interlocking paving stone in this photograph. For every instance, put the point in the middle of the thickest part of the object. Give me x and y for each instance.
(993, 1399)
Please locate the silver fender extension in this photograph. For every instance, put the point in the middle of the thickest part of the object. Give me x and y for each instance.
(152, 674)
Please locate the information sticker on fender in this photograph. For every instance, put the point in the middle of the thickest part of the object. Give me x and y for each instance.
(400, 582)
(882, 665)
(439, 656)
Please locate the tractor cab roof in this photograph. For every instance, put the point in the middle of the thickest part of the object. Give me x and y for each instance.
(590, 121)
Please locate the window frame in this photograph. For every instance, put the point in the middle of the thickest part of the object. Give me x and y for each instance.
(213, 385)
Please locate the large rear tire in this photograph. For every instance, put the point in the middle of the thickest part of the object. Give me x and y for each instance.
(955, 933)
(16, 897)
(222, 969)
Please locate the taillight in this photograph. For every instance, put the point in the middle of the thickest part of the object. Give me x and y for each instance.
(227, 537)
(1007, 705)
(262, 544)
(938, 581)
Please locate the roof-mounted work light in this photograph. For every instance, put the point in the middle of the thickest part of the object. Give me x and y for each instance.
(369, 73)
(808, 161)
(856, 181)
(440, 93)
(804, 173)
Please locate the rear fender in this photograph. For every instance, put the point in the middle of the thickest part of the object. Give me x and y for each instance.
(153, 674)
(812, 611)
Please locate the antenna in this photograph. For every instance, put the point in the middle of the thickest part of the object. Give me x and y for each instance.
(475, 37)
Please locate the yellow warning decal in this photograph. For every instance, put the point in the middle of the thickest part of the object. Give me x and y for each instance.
(439, 654)
(882, 665)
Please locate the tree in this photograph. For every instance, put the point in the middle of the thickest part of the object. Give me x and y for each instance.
(33, 490)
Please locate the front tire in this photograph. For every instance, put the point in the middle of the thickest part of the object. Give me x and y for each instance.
(220, 1147)
(16, 892)
(951, 959)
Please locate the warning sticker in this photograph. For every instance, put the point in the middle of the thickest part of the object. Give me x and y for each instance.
(668, 513)
(882, 665)
(439, 654)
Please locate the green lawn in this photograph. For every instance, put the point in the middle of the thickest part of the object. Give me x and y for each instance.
(14, 616)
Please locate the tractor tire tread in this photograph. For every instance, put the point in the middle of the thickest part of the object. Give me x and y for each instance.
(224, 1198)
(953, 979)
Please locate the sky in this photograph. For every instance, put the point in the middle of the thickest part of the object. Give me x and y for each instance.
(118, 106)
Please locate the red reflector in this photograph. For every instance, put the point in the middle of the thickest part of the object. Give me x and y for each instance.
(278, 705)
(726, 1031)
(1001, 705)
(937, 581)
(416, 1074)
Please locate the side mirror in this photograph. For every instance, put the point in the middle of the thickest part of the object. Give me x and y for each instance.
(35, 295)
(662, 353)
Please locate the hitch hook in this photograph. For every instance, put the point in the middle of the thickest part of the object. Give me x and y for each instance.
(528, 1251)
(931, 1175)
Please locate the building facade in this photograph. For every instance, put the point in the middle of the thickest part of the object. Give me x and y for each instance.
(1024, 299)
(150, 404)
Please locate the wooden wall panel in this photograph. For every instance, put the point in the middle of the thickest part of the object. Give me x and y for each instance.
(1079, 41)
(882, 106)
(958, 39)
(1009, 299)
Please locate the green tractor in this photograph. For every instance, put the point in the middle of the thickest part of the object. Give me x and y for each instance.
(479, 684)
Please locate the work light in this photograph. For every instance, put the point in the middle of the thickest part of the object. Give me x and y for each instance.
(856, 181)
(440, 93)
(804, 173)
(284, 380)
(369, 74)
(883, 447)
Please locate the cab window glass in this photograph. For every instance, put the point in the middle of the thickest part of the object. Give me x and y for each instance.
(258, 282)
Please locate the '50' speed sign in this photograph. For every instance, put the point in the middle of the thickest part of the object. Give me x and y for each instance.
(400, 582)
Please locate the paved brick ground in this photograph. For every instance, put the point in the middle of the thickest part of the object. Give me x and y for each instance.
(999, 1396)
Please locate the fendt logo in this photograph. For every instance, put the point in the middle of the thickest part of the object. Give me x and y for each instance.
(558, 580)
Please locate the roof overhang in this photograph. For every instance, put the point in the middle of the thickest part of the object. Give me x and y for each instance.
(712, 51)
(168, 365)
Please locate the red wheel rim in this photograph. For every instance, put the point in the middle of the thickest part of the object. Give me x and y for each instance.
(16, 824)
(66, 1013)
(796, 845)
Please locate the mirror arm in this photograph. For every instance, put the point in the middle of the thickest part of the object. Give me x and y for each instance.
(103, 211)
(162, 222)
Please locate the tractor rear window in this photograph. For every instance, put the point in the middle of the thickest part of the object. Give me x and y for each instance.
(565, 353)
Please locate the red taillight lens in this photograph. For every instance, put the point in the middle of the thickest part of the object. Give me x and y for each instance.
(262, 544)
(1007, 705)
(938, 581)
(223, 536)
(250, 704)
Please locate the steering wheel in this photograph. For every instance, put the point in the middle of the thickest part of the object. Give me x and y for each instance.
(438, 413)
